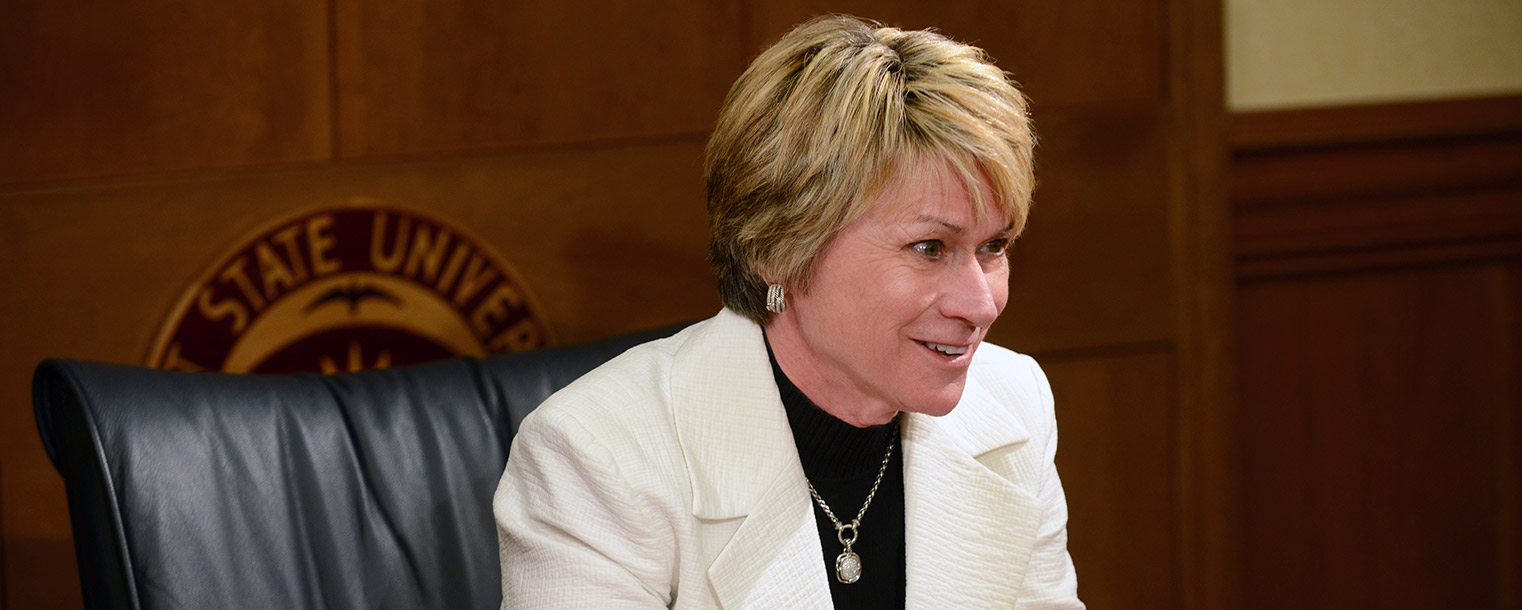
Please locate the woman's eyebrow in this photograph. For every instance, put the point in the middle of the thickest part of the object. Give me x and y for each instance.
(954, 228)
(957, 229)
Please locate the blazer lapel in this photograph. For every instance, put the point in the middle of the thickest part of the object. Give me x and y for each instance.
(742, 465)
(970, 505)
(773, 560)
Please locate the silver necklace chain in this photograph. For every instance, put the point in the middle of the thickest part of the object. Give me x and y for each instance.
(848, 564)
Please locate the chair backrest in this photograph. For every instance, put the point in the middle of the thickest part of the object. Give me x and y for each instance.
(362, 490)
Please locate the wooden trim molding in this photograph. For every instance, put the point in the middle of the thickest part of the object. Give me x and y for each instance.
(1351, 188)
(1281, 129)
(4, 594)
(1201, 215)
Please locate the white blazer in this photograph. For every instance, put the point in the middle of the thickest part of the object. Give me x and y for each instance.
(668, 477)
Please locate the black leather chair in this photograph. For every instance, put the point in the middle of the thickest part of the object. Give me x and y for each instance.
(362, 490)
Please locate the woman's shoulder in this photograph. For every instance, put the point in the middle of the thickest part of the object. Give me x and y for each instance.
(993, 364)
(1016, 380)
(631, 388)
(993, 354)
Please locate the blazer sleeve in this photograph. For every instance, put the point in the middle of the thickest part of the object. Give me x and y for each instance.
(1050, 582)
(572, 530)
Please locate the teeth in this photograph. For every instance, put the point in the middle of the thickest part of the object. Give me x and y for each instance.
(949, 350)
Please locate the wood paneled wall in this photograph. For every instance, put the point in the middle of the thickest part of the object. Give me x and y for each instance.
(141, 140)
(150, 86)
(1379, 259)
(1128, 556)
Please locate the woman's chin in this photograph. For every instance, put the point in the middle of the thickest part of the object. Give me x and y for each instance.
(936, 411)
(938, 404)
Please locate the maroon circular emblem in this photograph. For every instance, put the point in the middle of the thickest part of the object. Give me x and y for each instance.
(349, 288)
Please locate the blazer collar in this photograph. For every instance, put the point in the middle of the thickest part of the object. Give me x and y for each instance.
(970, 501)
(729, 417)
(741, 463)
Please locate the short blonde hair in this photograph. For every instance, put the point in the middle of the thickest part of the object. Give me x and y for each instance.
(825, 118)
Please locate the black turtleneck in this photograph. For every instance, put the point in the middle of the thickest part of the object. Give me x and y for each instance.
(841, 461)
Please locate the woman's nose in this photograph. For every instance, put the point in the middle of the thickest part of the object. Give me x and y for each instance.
(974, 294)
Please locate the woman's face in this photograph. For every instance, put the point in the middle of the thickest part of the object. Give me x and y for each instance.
(899, 301)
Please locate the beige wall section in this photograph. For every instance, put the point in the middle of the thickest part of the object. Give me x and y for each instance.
(1306, 53)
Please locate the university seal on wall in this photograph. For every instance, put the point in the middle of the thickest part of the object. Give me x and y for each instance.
(348, 288)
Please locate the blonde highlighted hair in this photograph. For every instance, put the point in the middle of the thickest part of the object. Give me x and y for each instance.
(825, 119)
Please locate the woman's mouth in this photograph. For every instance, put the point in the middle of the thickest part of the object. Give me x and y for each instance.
(948, 351)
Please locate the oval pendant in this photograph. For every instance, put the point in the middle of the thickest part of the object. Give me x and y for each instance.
(848, 567)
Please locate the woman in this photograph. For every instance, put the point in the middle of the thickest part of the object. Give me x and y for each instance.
(839, 435)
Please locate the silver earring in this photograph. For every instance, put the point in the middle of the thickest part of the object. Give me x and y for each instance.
(774, 302)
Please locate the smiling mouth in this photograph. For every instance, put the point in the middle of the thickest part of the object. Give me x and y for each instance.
(948, 351)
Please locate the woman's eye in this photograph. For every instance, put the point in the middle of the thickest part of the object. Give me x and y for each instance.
(929, 248)
(997, 246)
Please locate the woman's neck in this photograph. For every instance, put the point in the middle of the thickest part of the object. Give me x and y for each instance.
(829, 389)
